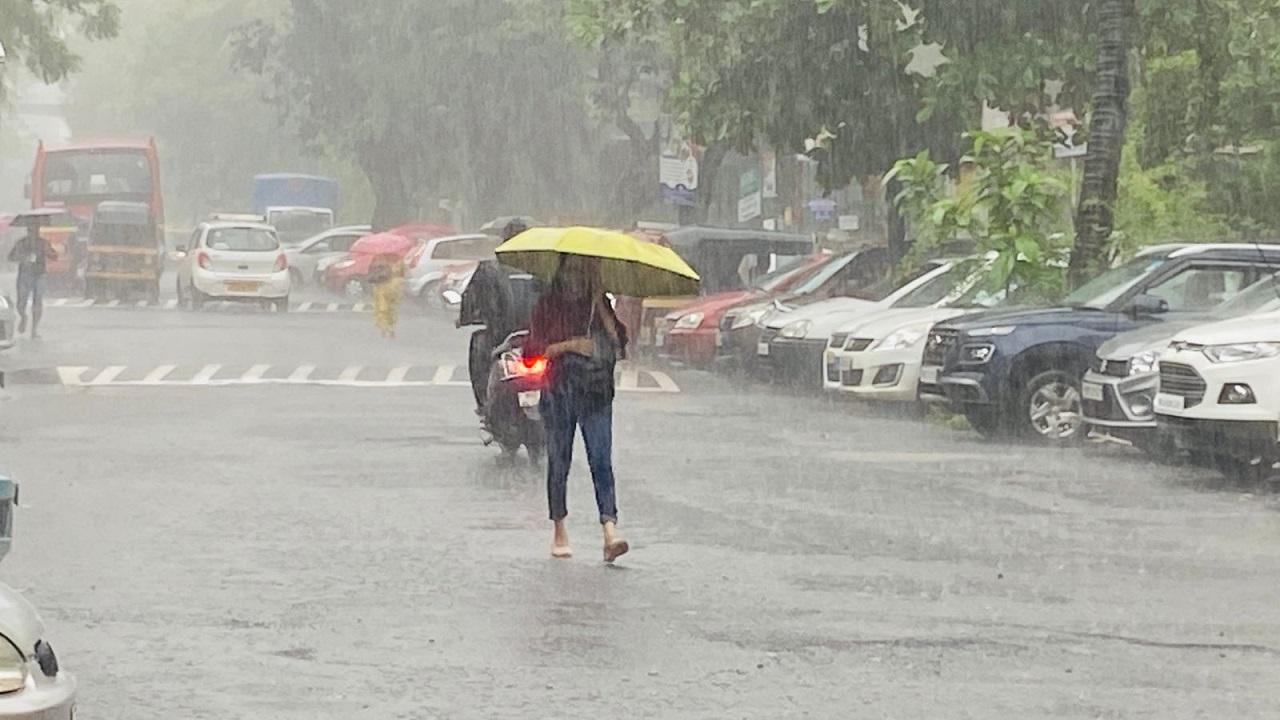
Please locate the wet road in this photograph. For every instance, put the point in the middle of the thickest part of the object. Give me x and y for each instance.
(349, 550)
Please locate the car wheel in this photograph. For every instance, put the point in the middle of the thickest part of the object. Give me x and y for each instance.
(986, 421)
(354, 289)
(184, 300)
(282, 305)
(1049, 408)
(153, 291)
(429, 296)
(197, 298)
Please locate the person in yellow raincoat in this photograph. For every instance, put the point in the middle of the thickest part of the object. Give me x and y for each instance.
(386, 275)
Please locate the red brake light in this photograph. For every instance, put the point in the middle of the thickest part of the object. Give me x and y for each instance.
(203, 260)
(282, 263)
(535, 365)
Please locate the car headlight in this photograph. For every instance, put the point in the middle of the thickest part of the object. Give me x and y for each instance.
(898, 339)
(1240, 352)
(797, 329)
(343, 264)
(690, 321)
(1143, 363)
(748, 319)
(13, 667)
(988, 332)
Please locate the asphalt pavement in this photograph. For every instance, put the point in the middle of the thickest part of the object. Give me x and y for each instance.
(234, 543)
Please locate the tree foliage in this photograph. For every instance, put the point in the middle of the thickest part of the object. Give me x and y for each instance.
(33, 33)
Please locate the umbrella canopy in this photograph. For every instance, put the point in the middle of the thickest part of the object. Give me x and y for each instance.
(383, 244)
(628, 265)
(37, 216)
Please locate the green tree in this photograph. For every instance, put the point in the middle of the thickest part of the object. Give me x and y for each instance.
(33, 33)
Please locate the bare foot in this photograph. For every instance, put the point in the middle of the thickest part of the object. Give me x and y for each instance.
(614, 546)
(560, 542)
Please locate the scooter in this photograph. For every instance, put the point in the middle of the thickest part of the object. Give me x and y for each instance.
(512, 418)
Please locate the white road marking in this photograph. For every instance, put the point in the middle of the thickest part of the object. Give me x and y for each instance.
(205, 375)
(144, 303)
(664, 381)
(113, 303)
(170, 304)
(629, 379)
(107, 375)
(57, 302)
(72, 375)
(304, 307)
(333, 307)
(301, 373)
(398, 374)
(358, 307)
(350, 374)
(159, 374)
(443, 374)
(255, 373)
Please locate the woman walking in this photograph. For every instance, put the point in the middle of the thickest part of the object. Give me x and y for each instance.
(386, 274)
(575, 328)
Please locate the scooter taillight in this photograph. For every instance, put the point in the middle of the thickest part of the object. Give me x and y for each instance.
(532, 366)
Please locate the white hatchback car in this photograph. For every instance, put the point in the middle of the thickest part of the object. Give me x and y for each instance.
(429, 263)
(234, 260)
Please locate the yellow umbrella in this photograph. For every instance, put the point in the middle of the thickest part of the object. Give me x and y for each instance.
(628, 265)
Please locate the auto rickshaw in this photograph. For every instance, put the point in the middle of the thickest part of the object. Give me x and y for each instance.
(125, 252)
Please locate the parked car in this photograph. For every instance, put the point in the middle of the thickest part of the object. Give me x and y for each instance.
(792, 341)
(231, 260)
(879, 357)
(1020, 370)
(32, 684)
(1118, 392)
(840, 276)
(1219, 395)
(691, 334)
(427, 263)
(305, 257)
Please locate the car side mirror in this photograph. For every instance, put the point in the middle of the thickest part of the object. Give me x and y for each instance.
(453, 297)
(1145, 304)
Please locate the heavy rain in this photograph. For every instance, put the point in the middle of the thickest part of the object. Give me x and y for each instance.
(639, 358)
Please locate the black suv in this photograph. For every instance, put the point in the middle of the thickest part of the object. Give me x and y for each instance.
(1019, 370)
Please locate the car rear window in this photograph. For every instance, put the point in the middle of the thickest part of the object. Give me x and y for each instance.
(241, 240)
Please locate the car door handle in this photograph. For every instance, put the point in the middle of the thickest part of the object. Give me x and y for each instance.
(243, 267)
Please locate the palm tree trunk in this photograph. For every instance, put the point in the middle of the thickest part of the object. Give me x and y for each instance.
(1096, 209)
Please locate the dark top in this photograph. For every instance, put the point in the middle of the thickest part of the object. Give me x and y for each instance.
(499, 298)
(31, 253)
(557, 318)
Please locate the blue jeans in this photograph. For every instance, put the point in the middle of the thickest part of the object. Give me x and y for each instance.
(31, 289)
(563, 416)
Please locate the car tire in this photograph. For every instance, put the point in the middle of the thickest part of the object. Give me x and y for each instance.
(354, 289)
(1049, 409)
(153, 292)
(282, 305)
(197, 298)
(986, 420)
(184, 300)
(429, 296)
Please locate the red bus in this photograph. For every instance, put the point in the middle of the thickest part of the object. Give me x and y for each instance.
(78, 176)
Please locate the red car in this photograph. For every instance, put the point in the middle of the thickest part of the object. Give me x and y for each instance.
(349, 276)
(690, 333)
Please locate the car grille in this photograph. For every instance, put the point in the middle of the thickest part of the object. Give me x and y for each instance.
(837, 340)
(851, 378)
(1114, 368)
(859, 344)
(940, 341)
(1179, 379)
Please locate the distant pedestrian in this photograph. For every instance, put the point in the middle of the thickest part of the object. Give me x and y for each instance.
(31, 254)
(386, 274)
(574, 327)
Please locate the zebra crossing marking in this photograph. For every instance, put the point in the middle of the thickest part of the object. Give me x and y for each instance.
(629, 378)
(306, 306)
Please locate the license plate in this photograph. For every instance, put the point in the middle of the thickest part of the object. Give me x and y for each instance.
(530, 398)
(1091, 391)
(243, 286)
(1165, 401)
(762, 349)
(929, 374)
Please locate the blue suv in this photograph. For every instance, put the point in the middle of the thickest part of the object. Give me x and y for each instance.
(1018, 371)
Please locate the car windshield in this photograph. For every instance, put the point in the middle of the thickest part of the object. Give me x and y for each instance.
(69, 174)
(933, 291)
(1104, 289)
(788, 268)
(825, 273)
(242, 240)
(1261, 296)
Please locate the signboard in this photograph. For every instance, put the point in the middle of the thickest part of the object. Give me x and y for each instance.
(823, 208)
(749, 202)
(849, 222)
(770, 163)
(678, 173)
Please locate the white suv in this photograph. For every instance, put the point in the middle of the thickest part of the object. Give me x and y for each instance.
(1219, 395)
(234, 260)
